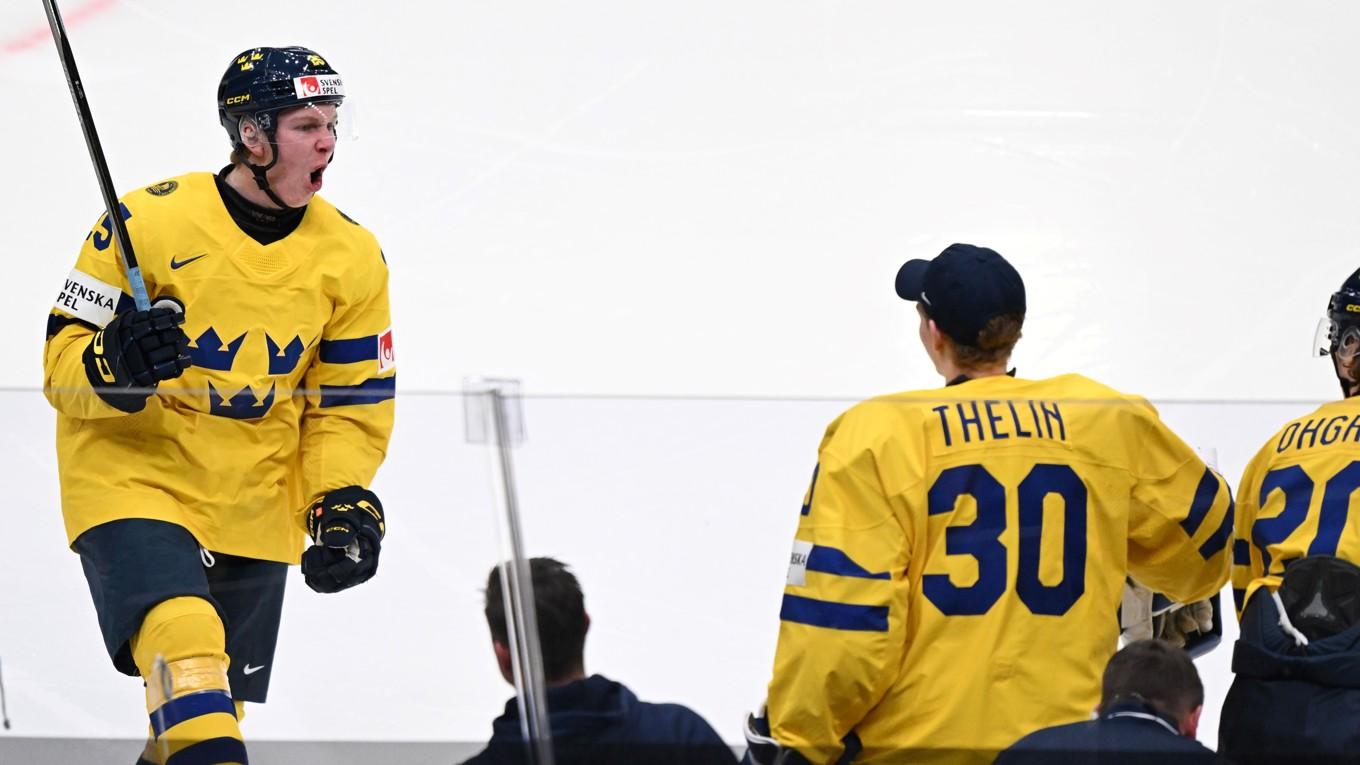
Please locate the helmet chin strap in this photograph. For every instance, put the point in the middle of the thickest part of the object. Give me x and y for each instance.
(261, 173)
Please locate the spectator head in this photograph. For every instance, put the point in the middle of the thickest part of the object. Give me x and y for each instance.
(562, 621)
(1159, 674)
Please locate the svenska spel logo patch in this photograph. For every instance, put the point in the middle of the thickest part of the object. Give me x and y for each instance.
(87, 298)
(387, 356)
(798, 562)
(316, 85)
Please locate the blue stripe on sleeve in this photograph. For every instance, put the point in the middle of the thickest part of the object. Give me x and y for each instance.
(1241, 552)
(1238, 597)
(371, 391)
(56, 323)
(829, 560)
(349, 351)
(1203, 502)
(1219, 540)
(176, 711)
(836, 616)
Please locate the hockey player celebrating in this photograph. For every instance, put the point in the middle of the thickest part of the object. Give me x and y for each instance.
(1296, 694)
(961, 552)
(199, 441)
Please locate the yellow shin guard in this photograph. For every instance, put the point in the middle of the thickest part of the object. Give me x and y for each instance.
(181, 651)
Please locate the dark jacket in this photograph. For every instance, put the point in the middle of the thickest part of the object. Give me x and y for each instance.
(601, 722)
(1126, 734)
(1291, 704)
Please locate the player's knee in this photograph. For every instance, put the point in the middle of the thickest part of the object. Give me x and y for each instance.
(181, 650)
(177, 629)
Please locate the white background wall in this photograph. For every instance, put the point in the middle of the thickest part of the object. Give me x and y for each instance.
(689, 199)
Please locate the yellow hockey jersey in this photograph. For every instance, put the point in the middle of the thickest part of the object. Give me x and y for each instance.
(1296, 498)
(960, 559)
(292, 384)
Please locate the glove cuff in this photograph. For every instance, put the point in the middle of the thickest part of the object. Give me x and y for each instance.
(100, 373)
(355, 505)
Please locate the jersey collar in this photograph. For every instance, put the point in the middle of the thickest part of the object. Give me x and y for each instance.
(965, 378)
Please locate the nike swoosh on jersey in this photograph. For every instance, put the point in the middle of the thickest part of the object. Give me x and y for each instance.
(249, 670)
(178, 264)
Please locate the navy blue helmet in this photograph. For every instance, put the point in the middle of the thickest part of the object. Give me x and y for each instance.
(261, 82)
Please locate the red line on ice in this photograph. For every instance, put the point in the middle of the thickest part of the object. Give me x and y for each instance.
(37, 35)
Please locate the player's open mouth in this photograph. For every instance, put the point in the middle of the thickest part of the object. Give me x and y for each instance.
(316, 178)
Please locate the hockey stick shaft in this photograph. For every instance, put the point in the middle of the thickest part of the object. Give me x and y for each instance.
(101, 167)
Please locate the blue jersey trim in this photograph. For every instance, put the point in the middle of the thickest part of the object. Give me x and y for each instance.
(56, 323)
(176, 711)
(372, 391)
(829, 560)
(836, 616)
(1241, 552)
(349, 351)
(1219, 540)
(1203, 502)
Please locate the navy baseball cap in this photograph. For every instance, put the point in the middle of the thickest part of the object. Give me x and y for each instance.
(962, 289)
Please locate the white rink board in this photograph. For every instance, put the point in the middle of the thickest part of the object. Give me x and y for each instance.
(676, 515)
(700, 198)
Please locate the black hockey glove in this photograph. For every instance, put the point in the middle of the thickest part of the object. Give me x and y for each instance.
(137, 350)
(347, 529)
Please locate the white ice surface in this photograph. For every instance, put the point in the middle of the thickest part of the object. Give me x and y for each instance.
(677, 199)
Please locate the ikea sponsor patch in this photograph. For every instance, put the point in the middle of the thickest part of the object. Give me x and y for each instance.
(387, 355)
(317, 85)
(88, 298)
(798, 561)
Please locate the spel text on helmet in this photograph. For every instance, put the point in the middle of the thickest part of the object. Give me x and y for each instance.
(318, 85)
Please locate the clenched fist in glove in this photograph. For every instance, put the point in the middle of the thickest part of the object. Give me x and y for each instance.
(347, 528)
(138, 349)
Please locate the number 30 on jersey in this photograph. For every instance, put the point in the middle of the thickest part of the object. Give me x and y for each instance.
(981, 539)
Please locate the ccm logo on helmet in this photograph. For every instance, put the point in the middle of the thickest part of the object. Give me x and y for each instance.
(1352, 308)
(315, 85)
(238, 99)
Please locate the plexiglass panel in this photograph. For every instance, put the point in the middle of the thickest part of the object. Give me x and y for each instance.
(676, 515)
